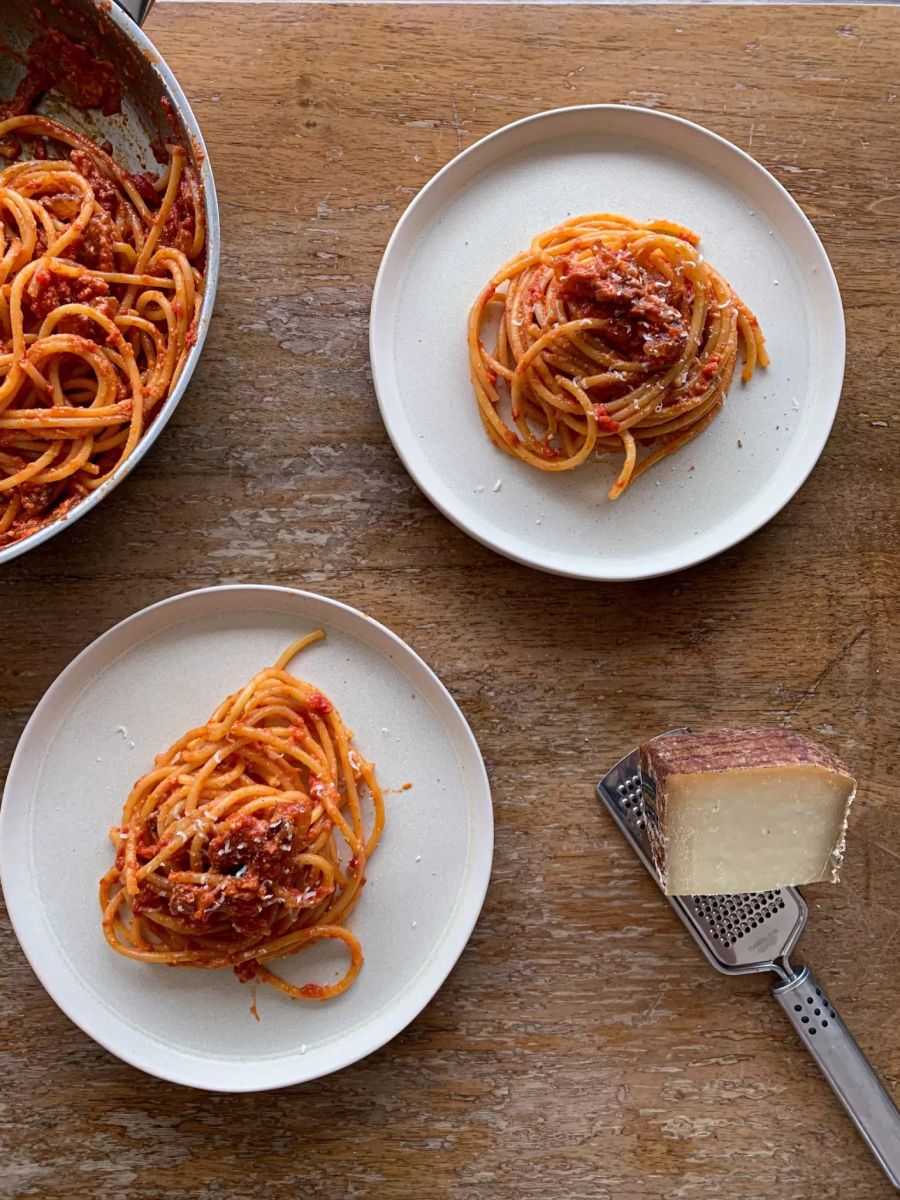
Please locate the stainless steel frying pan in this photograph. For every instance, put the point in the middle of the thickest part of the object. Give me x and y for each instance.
(146, 81)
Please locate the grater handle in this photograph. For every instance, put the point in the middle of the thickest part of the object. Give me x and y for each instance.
(844, 1065)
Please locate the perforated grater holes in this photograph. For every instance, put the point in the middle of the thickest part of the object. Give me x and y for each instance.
(637, 791)
(631, 801)
(731, 918)
(717, 913)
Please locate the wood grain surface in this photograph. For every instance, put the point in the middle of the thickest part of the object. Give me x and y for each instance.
(581, 1048)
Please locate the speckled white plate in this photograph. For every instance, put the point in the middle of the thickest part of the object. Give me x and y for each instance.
(127, 697)
(484, 207)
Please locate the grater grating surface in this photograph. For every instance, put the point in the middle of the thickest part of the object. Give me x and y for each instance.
(750, 931)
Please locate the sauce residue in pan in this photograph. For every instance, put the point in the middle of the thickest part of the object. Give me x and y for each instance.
(56, 61)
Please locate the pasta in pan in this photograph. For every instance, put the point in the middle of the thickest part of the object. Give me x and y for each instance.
(101, 282)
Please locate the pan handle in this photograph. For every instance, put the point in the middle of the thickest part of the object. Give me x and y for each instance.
(136, 9)
(845, 1067)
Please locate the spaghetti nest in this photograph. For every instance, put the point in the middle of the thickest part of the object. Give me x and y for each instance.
(100, 290)
(612, 336)
(245, 843)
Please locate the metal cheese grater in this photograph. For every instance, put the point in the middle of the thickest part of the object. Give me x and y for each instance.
(757, 932)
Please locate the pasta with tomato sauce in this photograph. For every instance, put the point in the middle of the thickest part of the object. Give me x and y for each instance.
(611, 336)
(245, 843)
(101, 280)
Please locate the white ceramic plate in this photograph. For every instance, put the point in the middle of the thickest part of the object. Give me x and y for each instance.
(484, 207)
(127, 697)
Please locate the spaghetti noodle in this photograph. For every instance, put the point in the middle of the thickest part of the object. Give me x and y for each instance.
(100, 290)
(245, 843)
(613, 336)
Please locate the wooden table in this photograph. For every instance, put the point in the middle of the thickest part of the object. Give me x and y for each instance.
(581, 1049)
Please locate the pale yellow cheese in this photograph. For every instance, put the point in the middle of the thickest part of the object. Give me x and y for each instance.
(753, 830)
(744, 810)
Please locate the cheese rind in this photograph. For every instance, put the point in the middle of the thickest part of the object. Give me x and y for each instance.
(745, 810)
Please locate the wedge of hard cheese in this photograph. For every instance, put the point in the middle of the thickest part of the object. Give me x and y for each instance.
(745, 810)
